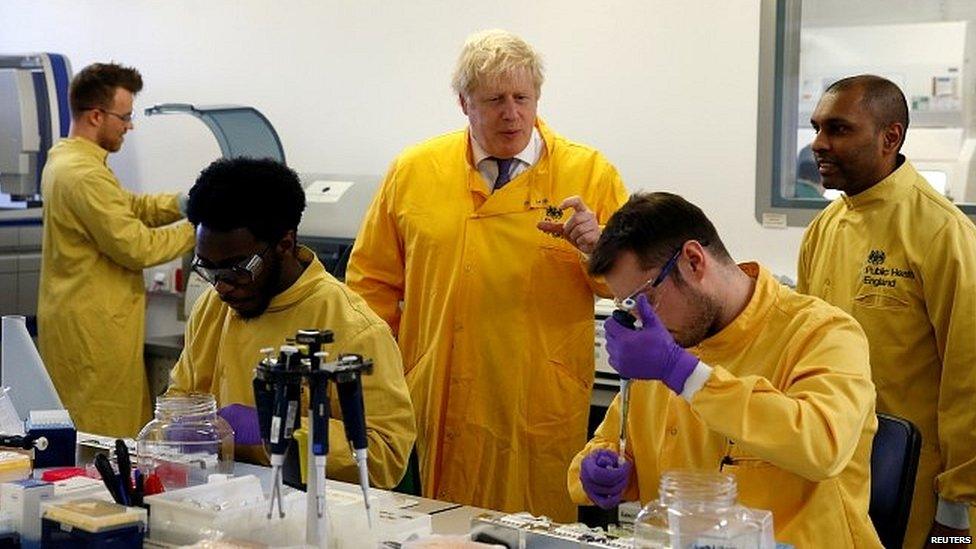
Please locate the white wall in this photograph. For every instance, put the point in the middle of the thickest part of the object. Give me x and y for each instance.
(665, 88)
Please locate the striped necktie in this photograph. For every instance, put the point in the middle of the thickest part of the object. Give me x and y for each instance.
(504, 171)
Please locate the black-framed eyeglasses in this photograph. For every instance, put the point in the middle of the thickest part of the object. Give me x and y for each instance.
(629, 302)
(126, 118)
(239, 275)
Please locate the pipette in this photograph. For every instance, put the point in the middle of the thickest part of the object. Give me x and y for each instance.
(286, 379)
(349, 385)
(264, 392)
(316, 525)
(626, 320)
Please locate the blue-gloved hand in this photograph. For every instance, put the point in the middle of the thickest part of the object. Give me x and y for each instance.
(604, 477)
(650, 352)
(244, 420)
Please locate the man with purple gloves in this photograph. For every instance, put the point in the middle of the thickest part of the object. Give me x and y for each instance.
(731, 371)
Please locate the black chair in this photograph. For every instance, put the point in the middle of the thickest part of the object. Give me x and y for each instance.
(894, 461)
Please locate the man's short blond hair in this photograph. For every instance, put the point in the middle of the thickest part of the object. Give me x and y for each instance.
(490, 54)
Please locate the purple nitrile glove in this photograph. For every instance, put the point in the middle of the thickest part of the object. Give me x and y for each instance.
(244, 420)
(650, 352)
(604, 477)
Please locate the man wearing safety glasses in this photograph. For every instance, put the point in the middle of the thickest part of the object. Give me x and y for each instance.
(731, 371)
(266, 287)
(98, 237)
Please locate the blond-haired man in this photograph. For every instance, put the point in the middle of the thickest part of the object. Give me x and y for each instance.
(493, 316)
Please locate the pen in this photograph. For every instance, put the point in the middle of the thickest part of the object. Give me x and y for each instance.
(108, 477)
(125, 469)
(140, 491)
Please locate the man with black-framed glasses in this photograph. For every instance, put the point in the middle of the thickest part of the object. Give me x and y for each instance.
(266, 287)
(730, 371)
(97, 239)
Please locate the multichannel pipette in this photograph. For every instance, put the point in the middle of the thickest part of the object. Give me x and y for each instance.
(286, 379)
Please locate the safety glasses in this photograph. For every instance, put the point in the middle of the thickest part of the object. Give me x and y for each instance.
(125, 118)
(239, 275)
(629, 302)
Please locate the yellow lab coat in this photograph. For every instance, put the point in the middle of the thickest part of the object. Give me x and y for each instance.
(790, 402)
(901, 259)
(496, 322)
(97, 238)
(223, 349)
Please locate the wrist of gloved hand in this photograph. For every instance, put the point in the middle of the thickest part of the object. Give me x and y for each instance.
(605, 477)
(244, 421)
(683, 365)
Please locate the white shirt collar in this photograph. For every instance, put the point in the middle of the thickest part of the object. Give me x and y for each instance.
(529, 155)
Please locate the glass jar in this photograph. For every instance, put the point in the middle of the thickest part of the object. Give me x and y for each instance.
(186, 441)
(697, 509)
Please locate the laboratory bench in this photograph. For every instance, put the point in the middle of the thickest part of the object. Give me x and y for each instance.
(447, 518)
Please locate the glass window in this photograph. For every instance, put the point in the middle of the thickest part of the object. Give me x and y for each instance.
(923, 46)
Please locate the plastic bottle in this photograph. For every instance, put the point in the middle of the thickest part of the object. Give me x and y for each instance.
(186, 441)
(698, 509)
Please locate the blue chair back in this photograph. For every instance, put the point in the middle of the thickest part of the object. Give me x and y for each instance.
(894, 462)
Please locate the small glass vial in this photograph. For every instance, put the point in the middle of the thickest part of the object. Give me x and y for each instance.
(186, 441)
(698, 509)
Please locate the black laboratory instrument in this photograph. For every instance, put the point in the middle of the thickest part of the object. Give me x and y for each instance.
(277, 388)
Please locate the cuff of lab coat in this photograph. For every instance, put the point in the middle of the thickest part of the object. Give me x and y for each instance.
(952, 514)
(696, 380)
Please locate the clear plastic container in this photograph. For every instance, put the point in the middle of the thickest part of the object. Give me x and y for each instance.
(699, 509)
(186, 442)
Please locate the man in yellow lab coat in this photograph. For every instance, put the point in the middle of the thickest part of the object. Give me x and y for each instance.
(731, 371)
(97, 238)
(266, 287)
(901, 259)
(494, 317)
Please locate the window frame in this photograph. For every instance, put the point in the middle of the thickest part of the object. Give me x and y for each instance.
(778, 103)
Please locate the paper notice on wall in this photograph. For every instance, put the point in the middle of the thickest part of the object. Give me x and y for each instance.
(328, 192)
(772, 220)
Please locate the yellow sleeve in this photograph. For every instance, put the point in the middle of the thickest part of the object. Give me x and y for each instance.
(811, 428)
(192, 374)
(807, 246)
(105, 210)
(376, 266)
(389, 414)
(606, 437)
(949, 285)
(803, 264)
(155, 210)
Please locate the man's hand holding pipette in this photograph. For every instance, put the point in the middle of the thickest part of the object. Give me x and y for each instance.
(604, 477)
(650, 352)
